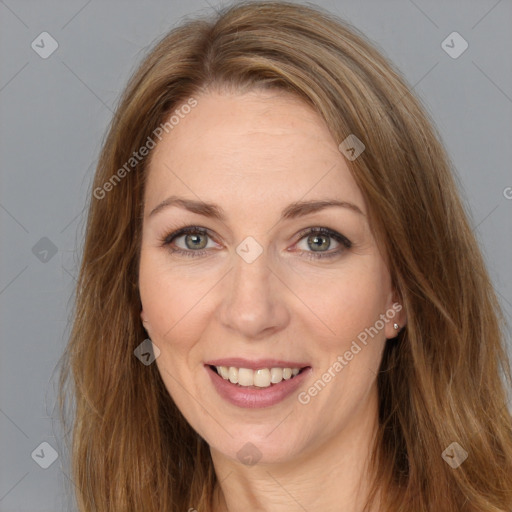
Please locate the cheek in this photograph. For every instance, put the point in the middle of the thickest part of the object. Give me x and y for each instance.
(349, 355)
(349, 300)
(165, 297)
(178, 305)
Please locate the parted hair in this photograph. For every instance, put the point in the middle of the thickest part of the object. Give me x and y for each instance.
(445, 377)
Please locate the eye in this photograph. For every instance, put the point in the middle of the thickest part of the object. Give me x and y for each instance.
(320, 240)
(195, 240)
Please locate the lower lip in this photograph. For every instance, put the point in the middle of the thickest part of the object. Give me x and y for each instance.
(256, 397)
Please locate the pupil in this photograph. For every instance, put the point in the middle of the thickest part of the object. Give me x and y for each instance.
(196, 239)
(315, 239)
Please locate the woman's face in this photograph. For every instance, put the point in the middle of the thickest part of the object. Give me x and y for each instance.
(255, 289)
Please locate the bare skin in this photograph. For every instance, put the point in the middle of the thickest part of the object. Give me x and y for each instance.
(253, 155)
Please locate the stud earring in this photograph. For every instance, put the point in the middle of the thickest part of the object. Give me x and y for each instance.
(396, 327)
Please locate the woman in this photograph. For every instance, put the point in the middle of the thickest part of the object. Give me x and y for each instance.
(281, 304)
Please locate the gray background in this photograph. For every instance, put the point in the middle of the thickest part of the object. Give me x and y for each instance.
(54, 113)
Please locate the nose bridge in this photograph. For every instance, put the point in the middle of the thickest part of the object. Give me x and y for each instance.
(251, 269)
(250, 284)
(252, 274)
(252, 302)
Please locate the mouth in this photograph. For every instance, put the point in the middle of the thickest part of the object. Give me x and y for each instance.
(260, 378)
(263, 385)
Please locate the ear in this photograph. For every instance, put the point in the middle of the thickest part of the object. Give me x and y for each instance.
(144, 320)
(395, 314)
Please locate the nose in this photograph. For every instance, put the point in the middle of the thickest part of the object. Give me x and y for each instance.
(254, 299)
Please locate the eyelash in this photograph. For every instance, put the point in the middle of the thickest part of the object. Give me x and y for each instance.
(345, 242)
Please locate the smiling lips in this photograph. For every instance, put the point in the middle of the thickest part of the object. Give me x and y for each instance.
(256, 373)
(256, 384)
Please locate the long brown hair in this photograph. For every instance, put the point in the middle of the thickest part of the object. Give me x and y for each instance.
(442, 380)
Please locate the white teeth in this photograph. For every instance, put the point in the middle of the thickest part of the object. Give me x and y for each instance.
(261, 378)
(276, 375)
(233, 375)
(245, 377)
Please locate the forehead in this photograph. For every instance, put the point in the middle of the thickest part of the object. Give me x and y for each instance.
(255, 148)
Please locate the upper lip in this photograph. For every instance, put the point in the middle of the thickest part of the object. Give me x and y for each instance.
(255, 364)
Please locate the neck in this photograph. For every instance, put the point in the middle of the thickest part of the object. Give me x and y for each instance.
(332, 475)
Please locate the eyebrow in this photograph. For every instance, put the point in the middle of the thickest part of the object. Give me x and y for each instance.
(292, 211)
